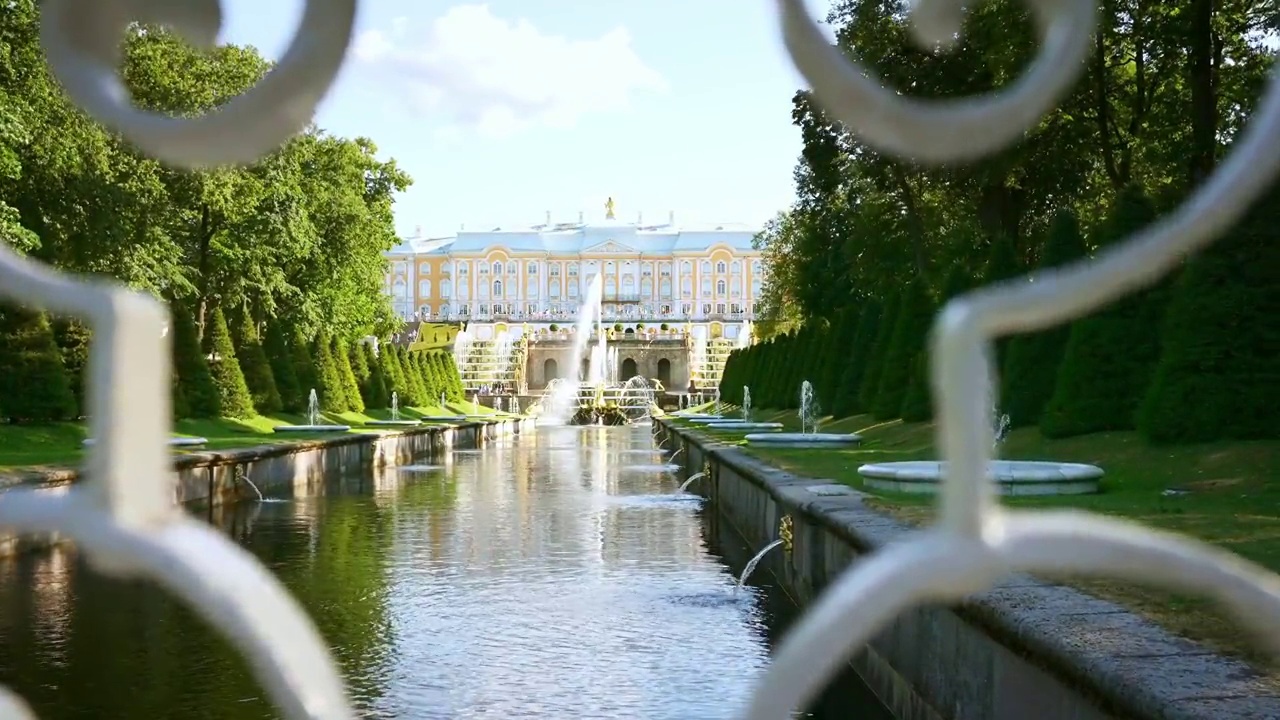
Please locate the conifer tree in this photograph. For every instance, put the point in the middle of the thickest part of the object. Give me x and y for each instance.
(917, 402)
(413, 378)
(359, 361)
(1002, 264)
(304, 366)
(333, 395)
(909, 333)
(1111, 354)
(73, 337)
(374, 390)
(395, 374)
(258, 376)
(456, 391)
(870, 385)
(283, 369)
(195, 393)
(33, 382)
(857, 359)
(1031, 364)
(350, 386)
(233, 393)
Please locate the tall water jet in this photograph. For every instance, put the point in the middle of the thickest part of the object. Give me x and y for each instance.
(808, 411)
(560, 404)
(746, 403)
(808, 437)
(314, 424)
(744, 336)
(395, 406)
(751, 564)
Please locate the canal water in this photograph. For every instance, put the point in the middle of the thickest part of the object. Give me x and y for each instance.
(547, 576)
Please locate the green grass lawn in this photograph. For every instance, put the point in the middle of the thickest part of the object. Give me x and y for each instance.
(24, 446)
(1225, 493)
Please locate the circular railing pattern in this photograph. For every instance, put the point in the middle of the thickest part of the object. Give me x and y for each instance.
(122, 514)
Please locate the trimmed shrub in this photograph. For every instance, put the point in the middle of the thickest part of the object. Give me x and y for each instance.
(374, 389)
(33, 382)
(304, 365)
(1002, 264)
(870, 385)
(233, 393)
(195, 394)
(283, 369)
(395, 374)
(454, 389)
(333, 396)
(1111, 354)
(909, 332)
(346, 376)
(858, 360)
(258, 376)
(417, 391)
(1031, 363)
(1217, 376)
(917, 402)
(73, 338)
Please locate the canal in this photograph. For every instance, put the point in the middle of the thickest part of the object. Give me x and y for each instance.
(551, 575)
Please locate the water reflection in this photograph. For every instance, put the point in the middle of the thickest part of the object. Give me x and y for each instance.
(533, 579)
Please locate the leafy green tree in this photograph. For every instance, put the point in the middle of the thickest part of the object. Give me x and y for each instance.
(258, 376)
(1217, 377)
(1110, 354)
(33, 382)
(73, 338)
(195, 392)
(283, 368)
(233, 393)
(350, 386)
(1032, 361)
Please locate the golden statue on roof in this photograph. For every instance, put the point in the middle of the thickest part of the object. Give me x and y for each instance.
(608, 209)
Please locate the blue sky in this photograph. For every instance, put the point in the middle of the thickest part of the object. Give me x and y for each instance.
(502, 111)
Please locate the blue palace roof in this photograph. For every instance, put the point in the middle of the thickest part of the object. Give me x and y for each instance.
(577, 238)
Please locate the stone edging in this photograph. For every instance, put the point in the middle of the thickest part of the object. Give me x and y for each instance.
(1129, 663)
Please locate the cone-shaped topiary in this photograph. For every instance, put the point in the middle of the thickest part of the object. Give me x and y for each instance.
(333, 396)
(857, 360)
(417, 396)
(835, 354)
(374, 390)
(233, 393)
(304, 366)
(350, 386)
(359, 361)
(456, 393)
(1111, 354)
(1002, 264)
(870, 385)
(33, 382)
(1031, 363)
(258, 376)
(393, 371)
(195, 394)
(909, 331)
(917, 402)
(283, 368)
(1217, 376)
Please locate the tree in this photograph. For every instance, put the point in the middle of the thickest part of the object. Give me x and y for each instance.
(73, 338)
(304, 366)
(909, 332)
(917, 402)
(195, 393)
(1110, 354)
(258, 375)
(350, 386)
(870, 386)
(33, 381)
(859, 360)
(233, 393)
(283, 368)
(1216, 378)
(333, 394)
(1031, 364)
(374, 389)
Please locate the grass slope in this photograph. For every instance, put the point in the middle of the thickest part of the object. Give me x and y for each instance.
(1225, 493)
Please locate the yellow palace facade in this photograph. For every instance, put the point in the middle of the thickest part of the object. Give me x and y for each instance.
(703, 278)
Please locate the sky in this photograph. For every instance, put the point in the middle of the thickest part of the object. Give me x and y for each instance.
(504, 110)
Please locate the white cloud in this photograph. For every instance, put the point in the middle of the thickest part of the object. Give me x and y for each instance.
(473, 70)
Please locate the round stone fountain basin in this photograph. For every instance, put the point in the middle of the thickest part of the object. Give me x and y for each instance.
(393, 423)
(443, 418)
(694, 417)
(1012, 477)
(744, 425)
(803, 440)
(311, 428)
(717, 419)
(178, 442)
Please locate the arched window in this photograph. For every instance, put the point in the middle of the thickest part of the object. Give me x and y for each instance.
(399, 288)
(719, 287)
(686, 267)
(424, 288)
(756, 288)
(628, 283)
(720, 267)
(686, 286)
(573, 269)
(462, 267)
(735, 285)
(706, 267)
(550, 371)
(665, 288)
(497, 288)
(610, 287)
(497, 268)
(483, 289)
(446, 288)
(755, 267)
(664, 371)
(706, 285)
(573, 290)
(646, 286)
(554, 289)
(464, 289)
(511, 268)
(532, 290)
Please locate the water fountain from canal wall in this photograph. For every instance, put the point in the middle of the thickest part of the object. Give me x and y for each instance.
(753, 562)
(808, 437)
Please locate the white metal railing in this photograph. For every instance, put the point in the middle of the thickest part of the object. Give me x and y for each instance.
(123, 517)
(975, 542)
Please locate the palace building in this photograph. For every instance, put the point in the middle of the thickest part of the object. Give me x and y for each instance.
(701, 281)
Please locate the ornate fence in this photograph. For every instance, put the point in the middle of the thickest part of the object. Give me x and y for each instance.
(123, 517)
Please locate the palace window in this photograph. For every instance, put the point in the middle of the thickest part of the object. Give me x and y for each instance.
(424, 288)
(497, 268)
(686, 268)
(686, 309)
(610, 287)
(610, 266)
(719, 308)
(736, 267)
(484, 309)
(720, 267)
(573, 290)
(462, 268)
(531, 308)
(497, 288)
(719, 287)
(573, 269)
(511, 268)
(444, 310)
(464, 289)
(706, 308)
(484, 269)
(735, 308)
(424, 268)
(533, 268)
(665, 288)
(686, 286)
(646, 268)
(756, 288)
(399, 288)
(735, 286)
(628, 283)
(665, 270)
(554, 289)
(706, 286)
(646, 286)
(424, 312)
(555, 270)
(706, 267)
(464, 309)
(482, 290)
(756, 267)
(666, 309)
(446, 288)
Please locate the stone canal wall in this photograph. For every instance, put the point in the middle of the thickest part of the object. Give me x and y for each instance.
(297, 468)
(1027, 649)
